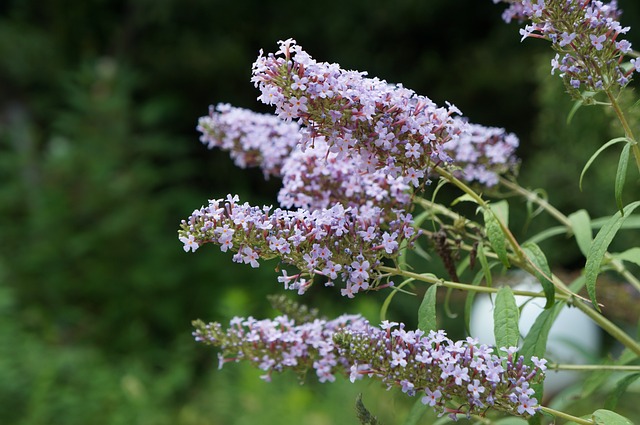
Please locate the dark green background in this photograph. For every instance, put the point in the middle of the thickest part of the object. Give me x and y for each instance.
(100, 160)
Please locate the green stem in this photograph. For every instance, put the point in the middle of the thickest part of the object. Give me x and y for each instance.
(466, 189)
(457, 285)
(609, 327)
(566, 293)
(625, 125)
(617, 265)
(594, 367)
(562, 415)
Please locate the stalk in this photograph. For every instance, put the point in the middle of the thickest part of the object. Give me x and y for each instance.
(458, 285)
(568, 417)
(594, 367)
(625, 125)
(617, 265)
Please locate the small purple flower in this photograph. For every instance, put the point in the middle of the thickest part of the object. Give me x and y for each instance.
(189, 243)
(586, 33)
(526, 405)
(432, 397)
(597, 41)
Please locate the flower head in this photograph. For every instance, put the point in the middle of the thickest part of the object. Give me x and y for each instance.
(585, 33)
(350, 346)
(389, 126)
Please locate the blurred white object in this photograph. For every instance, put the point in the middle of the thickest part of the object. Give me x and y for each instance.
(573, 338)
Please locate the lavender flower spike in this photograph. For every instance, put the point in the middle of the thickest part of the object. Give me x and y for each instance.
(483, 154)
(252, 139)
(349, 243)
(447, 373)
(391, 127)
(452, 377)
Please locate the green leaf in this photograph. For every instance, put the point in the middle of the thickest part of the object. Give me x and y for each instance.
(632, 222)
(599, 248)
(535, 343)
(444, 420)
(595, 380)
(464, 198)
(541, 271)
(548, 233)
(501, 210)
(506, 316)
(577, 105)
(631, 255)
(535, 419)
(416, 413)
(496, 236)
(486, 269)
(440, 185)
(581, 227)
(364, 416)
(598, 152)
(397, 288)
(511, 421)
(607, 417)
(621, 387)
(471, 295)
(447, 305)
(427, 310)
(621, 174)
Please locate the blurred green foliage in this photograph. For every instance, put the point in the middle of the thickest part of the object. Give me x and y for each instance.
(100, 161)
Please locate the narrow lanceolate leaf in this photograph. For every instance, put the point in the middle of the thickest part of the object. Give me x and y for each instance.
(496, 236)
(464, 198)
(595, 380)
(541, 270)
(599, 248)
(535, 343)
(416, 413)
(598, 152)
(621, 174)
(501, 210)
(631, 255)
(581, 227)
(364, 416)
(511, 421)
(427, 311)
(486, 269)
(505, 319)
(607, 417)
(468, 303)
(621, 388)
(537, 418)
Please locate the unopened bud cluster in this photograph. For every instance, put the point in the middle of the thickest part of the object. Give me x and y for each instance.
(586, 35)
(460, 377)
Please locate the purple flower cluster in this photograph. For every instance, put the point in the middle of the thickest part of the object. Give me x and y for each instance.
(483, 153)
(279, 344)
(316, 178)
(252, 139)
(441, 370)
(445, 373)
(585, 33)
(348, 168)
(332, 242)
(390, 127)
